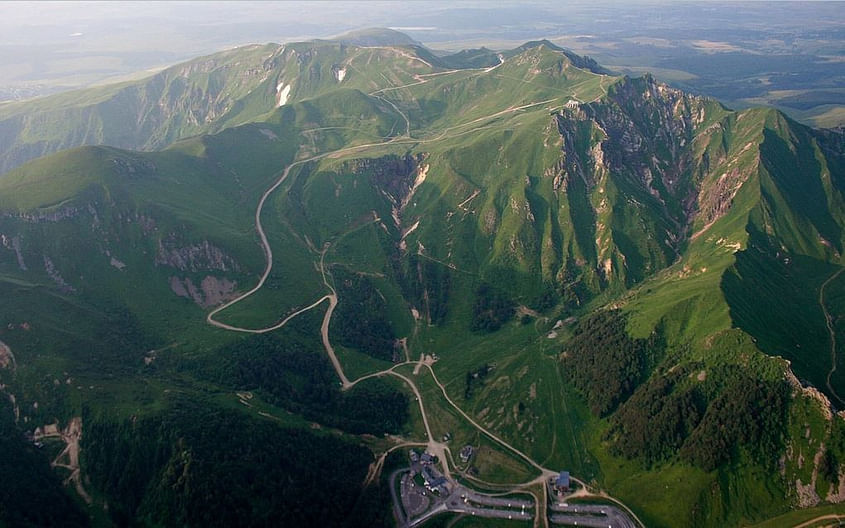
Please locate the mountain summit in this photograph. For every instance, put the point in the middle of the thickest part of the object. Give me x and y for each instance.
(375, 37)
(340, 250)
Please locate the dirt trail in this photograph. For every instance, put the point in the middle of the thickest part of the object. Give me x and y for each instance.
(265, 245)
(812, 522)
(545, 472)
(324, 332)
(324, 328)
(829, 322)
(419, 364)
(433, 446)
(70, 435)
(542, 508)
(377, 466)
(486, 432)
(268, 251)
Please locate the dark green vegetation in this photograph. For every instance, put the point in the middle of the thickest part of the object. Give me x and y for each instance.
(476, 215)
(668, 417)
(36, 496)
(475, 378)
(360, 321)
(291, 372)
(605, 363)
(195, 466)
(491, 309)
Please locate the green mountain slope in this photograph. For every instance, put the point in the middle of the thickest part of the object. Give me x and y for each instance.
(616, 277)
(204, 95)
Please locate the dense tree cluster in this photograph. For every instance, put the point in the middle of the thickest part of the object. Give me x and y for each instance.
(829, 467)
(656, 420)
(491, 309)
(289, 373)
(748, 415)
(198, 465)
(31, 493)
(359, 320)
(604, 362)
(668, 415)
(427, 284)
(547, 299)
(835, 452)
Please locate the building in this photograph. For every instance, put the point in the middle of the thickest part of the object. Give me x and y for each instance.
(426, 459)
(434, 481)
(432, 478)
(466, 453)
(562, 482)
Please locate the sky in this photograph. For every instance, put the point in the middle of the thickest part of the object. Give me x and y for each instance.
(71, 44)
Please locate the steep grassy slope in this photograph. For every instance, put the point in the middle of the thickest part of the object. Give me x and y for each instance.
(204, 95)
(199, 96)
(466, 211)
(749, 283)
(644, 185)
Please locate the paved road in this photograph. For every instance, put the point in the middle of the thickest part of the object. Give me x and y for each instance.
(471, 502)
(594, 515)
(332, 298)
(487, 500)
(397, 504)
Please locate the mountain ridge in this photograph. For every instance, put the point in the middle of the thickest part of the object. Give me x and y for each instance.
(198, 96)
(693, 251)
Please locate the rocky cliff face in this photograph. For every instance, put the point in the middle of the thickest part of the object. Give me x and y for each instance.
(202, 256)
(188, 99)
(624, 177)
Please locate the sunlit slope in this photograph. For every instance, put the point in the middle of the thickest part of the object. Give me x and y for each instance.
(691, 250)
(146, 226)
(767, 236)
(203, 95)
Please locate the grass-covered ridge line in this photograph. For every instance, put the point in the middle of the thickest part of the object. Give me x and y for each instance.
(459, 210)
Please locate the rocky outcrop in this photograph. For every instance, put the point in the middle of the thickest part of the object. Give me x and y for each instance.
(212, 291)
(637, 138)
(38, 217)
(808, 391)
(7, 359)
(647, 128)
(131, 167)
(203, 256)
(393, 175)
(54, 274)
(14, 243)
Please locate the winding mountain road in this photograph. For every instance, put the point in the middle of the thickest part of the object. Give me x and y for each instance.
(437, 448)
(829, 322)
(495, 438)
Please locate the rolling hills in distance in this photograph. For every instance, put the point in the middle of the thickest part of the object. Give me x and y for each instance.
(516, 250)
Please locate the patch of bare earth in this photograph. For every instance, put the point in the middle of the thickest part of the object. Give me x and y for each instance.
(69, 457)
(7, 359)
(839, 495)
(212, 291)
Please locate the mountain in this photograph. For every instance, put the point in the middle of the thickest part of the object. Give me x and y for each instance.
(380, 37)
(204, 95)
(600, 274)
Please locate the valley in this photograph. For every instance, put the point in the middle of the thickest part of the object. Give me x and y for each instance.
(559, 268)
(440, 449)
